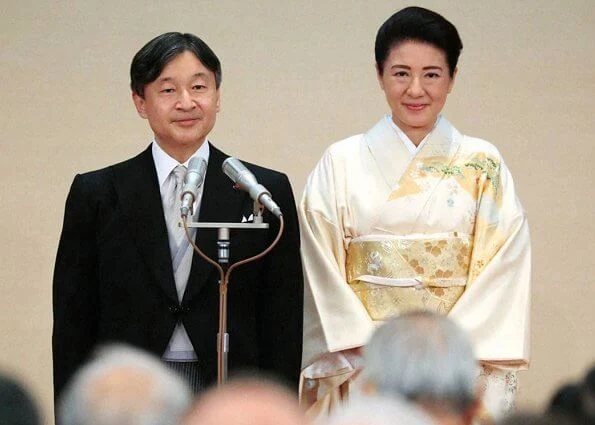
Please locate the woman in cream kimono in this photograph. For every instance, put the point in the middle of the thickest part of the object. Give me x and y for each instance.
(412, 214)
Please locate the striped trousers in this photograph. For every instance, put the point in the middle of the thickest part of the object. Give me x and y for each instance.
(189, 372)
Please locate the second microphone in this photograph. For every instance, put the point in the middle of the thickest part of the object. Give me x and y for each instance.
(195, 177)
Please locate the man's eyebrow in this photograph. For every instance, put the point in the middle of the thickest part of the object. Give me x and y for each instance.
(167, 79)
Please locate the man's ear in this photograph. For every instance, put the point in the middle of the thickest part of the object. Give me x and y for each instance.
(140, 104)
(368, 388)
(477, 412)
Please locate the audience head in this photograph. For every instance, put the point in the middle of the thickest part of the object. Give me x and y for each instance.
(567, 400)
(378, 410)
(124, 386)
(575, 400)
(16, 405)
(537, 419)
(588, 395)
(426, 358)
(246, 401)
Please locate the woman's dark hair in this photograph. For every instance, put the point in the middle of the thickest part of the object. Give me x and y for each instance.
(148, 63)
(420, 25)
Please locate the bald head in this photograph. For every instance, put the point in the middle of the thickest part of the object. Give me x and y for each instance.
(246, 402)
(123, 386)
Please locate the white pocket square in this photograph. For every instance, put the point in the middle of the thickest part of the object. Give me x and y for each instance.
(249, 219)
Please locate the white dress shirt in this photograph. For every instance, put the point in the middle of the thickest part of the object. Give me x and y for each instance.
(179, 348)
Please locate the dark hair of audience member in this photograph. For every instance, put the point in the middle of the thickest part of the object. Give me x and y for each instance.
(588, 395)
(150, 60)
(539, 419)
(16, 404)
(567, 400)
(419, 25)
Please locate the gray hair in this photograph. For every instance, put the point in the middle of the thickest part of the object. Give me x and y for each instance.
(378, 410)
(424, 357)
(124, 386)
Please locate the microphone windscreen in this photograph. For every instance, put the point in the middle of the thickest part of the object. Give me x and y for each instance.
(232, 167)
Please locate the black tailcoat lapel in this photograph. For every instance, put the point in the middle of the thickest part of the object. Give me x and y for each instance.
(137, 186)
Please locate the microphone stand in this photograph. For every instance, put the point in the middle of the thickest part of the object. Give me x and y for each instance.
(223, 243)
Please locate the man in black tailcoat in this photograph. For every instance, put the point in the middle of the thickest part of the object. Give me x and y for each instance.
(118, 277)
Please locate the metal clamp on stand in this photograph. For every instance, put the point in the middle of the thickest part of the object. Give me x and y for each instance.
(223, 245)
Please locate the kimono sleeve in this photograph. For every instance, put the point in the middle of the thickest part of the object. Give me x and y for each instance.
(334, 318)
(495, 306)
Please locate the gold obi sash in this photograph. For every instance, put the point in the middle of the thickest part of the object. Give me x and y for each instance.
(394, 274)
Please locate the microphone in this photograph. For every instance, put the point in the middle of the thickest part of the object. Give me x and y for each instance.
(245, 180)
(195, 177)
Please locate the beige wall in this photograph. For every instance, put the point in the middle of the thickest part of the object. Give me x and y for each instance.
(298, 75)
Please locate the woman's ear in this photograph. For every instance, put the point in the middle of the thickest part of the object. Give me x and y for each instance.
(452, 80)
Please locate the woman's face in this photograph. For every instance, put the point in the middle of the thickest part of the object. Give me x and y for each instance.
(416, 82)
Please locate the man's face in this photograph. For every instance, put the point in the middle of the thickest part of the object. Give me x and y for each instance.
(181, 104)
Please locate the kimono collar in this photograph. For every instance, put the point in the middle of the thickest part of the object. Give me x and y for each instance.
(444, 140)
(393, 157)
